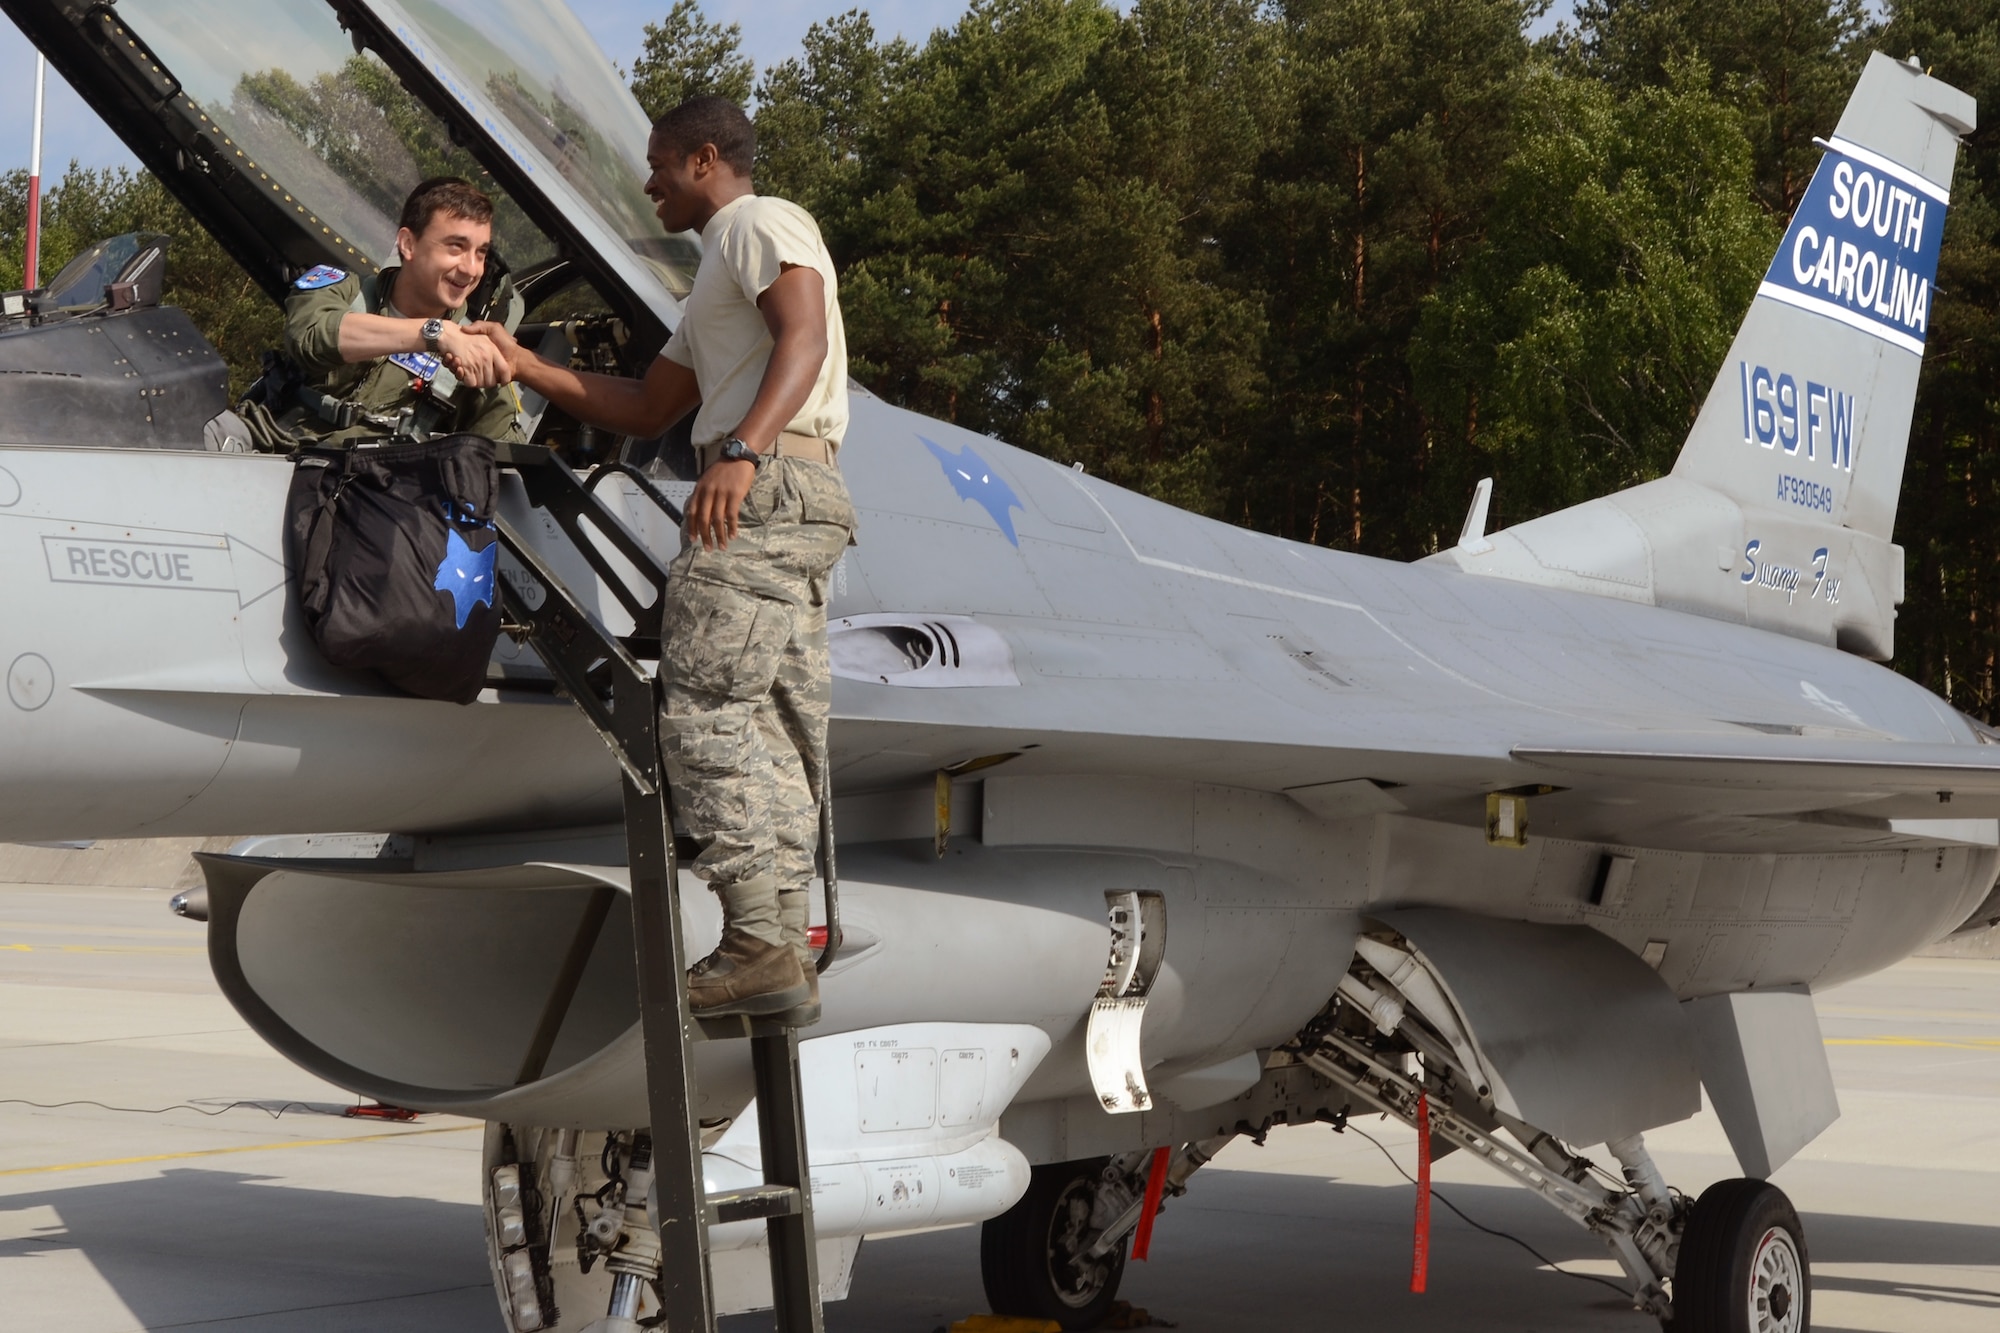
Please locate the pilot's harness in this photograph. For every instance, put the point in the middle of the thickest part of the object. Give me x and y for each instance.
(437, 386)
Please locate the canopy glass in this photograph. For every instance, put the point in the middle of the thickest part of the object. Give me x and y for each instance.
(333, 127)
(541, 91)
(342, 141)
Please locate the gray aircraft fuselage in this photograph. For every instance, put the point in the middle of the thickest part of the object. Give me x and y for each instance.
(170, 689)
(1054, 699)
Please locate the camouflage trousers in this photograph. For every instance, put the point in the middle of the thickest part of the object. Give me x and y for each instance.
(747, 689)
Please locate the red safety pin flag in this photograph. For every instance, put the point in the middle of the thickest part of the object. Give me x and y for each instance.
(1420, 1261)
(1156, 1185)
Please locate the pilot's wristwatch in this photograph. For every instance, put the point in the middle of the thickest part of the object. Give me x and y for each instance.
(735, 451)
(433, 330)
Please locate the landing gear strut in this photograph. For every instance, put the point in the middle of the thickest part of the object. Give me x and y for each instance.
(1732, 1262)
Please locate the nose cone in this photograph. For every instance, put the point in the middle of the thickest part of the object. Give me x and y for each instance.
(190, 903)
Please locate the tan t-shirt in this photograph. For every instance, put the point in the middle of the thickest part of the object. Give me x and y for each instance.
(722, 336)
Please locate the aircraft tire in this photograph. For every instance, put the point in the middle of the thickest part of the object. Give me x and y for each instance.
(1742, 1265)
(1027, 1255)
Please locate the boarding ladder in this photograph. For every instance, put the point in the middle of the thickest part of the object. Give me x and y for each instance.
(604, 675)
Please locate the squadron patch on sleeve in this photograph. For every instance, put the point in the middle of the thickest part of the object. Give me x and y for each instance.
(318, 276)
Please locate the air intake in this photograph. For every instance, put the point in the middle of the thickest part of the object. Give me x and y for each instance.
(920, 651)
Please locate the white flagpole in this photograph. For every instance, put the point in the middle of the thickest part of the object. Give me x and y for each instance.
(32, 260)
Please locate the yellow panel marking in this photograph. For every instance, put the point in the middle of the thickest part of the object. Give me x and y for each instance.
(219, 1152)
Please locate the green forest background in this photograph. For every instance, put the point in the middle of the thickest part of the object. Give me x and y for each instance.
(1316, 266)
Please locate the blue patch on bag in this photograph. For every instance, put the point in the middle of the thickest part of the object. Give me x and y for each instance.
(318, 276)
(421, 364)
(466, 574)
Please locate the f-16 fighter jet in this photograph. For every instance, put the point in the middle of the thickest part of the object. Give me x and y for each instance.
(1153, 831)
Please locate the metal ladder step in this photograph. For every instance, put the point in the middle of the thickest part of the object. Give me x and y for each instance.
(603, 675)
(758, 1202)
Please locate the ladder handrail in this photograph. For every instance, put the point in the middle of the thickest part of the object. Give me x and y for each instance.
(572, 626)
(554, 488)
(644, 482)
(532, 462)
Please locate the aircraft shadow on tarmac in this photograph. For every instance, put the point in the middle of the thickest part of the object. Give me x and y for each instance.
(195, 1246)
(1254, 1249)
(1874, 1240)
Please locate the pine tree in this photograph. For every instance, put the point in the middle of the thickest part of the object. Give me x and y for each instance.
(686, 55)
(817, 110)
(1623, 248)
(1400, 124)
(1786, 65)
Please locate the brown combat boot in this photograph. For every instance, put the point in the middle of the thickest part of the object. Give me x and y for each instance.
(747, 976)
(806, 1013)
(793, 914)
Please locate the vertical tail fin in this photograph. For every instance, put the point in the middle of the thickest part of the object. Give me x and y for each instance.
(1781, 508)
(1810, 414)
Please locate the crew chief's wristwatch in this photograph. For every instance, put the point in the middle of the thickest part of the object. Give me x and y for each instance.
(734, 450)
(433, 330)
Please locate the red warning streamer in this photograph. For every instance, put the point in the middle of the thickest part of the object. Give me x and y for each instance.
(1420, 1262)
(1156, 1185)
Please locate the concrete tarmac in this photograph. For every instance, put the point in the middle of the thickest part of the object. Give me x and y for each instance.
(278, 1216)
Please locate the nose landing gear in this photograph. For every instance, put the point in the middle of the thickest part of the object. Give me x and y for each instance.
(1038, 1259)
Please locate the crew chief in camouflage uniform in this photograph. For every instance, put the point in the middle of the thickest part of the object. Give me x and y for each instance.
(762, 352)
(396, 341)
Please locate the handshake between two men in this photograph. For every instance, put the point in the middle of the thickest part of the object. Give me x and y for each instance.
(482, 355)
(759, 352)
(760, 356)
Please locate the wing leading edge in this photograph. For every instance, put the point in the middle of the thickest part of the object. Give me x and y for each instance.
(1966, 779)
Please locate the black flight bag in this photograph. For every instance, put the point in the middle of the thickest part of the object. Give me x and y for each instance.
(396, 558)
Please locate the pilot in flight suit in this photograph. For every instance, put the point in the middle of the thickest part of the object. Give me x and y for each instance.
(387, 374)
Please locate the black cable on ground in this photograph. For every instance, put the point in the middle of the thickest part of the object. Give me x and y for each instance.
(305, 1107)
(1581, 1277)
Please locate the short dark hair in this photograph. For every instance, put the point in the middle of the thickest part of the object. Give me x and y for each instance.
(444, 194)
(710, 119)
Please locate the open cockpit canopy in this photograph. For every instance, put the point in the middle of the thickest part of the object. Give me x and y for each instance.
(293, 129)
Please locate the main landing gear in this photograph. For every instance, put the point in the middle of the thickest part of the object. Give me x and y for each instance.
(1060, 1252)
(1742, 1264)
(1733, 1261)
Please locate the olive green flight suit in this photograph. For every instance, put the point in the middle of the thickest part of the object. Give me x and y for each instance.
(382, 387)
